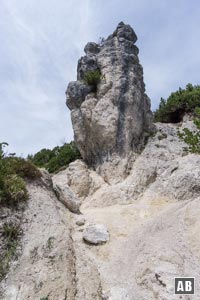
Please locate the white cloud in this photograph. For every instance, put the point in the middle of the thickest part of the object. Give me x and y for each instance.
(42, 41)
(41, 46)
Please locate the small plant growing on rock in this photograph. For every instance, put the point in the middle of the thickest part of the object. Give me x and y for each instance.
(192, 139)
(24, 168)
(14, 189)
(92, 78)
(50, 242)
(11, 234)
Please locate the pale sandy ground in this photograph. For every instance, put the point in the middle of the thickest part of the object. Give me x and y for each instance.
(153, 221)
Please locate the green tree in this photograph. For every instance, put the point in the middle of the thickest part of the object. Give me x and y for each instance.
(178, 103)
(56, 158)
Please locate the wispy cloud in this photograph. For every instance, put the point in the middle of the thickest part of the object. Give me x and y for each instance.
(42, 41)
(41, 45)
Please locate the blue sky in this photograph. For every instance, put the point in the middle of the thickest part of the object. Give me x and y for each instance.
(41, 42)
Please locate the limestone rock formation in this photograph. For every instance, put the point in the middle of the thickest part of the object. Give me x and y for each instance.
(152, 217)
(116, 118)
(147, 220)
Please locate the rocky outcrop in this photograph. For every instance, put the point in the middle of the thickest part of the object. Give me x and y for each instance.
(79, 179)
(116, 119)
(152, 217)
(136, 232)
(146, 231)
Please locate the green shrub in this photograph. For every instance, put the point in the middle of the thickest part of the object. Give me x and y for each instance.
(14, 190)
(192, 139)
(92, 78)
(180, 102)
(50, 242)
(13, 171)
(24, 168)
(42, 157)
(197, 117)
(11, 234)
(56, 158)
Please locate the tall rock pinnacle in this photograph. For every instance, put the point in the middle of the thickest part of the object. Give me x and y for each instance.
(115, 117)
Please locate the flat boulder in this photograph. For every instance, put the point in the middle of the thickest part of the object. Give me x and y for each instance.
(96, 234)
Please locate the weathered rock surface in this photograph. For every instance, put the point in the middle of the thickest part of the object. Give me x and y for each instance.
(45, 267)
(96, 234)
(149, 201)
(152, 217)
(117, 118)
(81, 180)
(153, 220)
(67, 198)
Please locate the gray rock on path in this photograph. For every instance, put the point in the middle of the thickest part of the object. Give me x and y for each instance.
(80, 220)
(117, 118)
(67, 197)
(96, 234)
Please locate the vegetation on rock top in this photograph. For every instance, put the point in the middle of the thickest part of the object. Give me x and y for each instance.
(173, 109)
(13, 172)
(178, 103)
